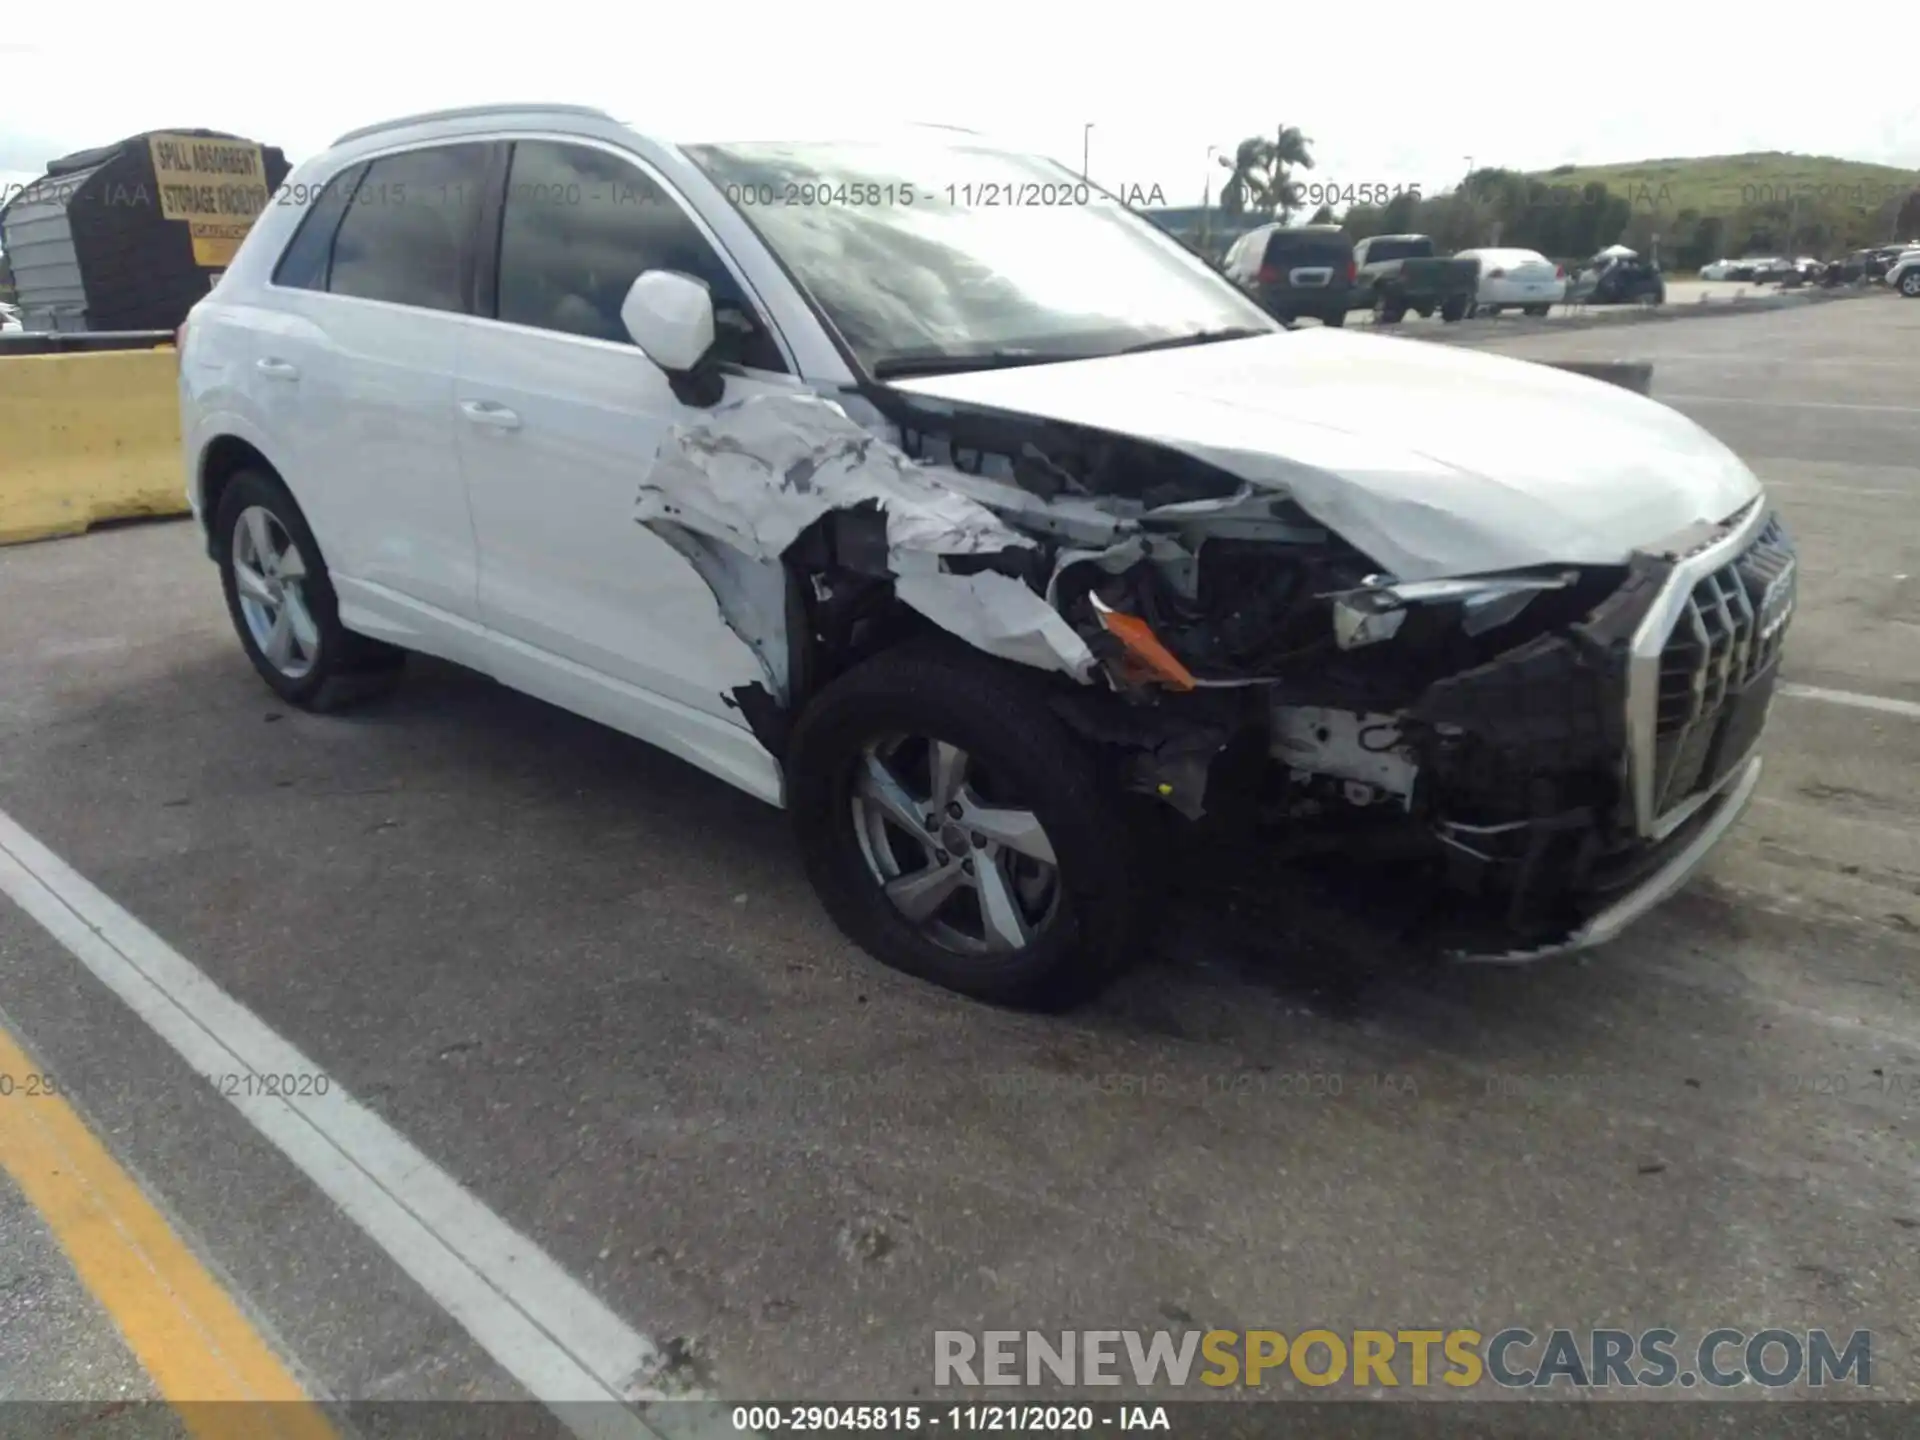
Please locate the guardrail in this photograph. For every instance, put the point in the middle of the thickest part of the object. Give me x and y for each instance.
(89, 431)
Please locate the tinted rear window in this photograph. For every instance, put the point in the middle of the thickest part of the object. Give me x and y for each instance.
(304, 264)
(1399, 250)
(1284, 249)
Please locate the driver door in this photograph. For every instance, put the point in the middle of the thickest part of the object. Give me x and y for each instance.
(558, 415)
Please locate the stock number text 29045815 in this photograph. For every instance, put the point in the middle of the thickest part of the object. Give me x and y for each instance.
(991, 194)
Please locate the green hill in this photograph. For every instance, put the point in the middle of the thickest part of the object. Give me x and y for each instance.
(1724, 184)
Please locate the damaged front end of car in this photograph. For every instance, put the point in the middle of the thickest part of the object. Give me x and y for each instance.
(1526, 759)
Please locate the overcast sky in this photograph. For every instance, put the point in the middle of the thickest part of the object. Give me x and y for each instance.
(1158, 89)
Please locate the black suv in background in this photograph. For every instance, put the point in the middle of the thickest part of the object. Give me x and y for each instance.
(1619, 280)
(1295, 270)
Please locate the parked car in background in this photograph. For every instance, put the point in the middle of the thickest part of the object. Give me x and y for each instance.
(1721, 269)
(1525, 279)
(1296, 270)
(1881, 259)
(1848, 270)
(1003, 584)
(1771, 269)
(1904, 274)
(9, 318)
(1618, 278)
(1758, 269)
(1398, 273)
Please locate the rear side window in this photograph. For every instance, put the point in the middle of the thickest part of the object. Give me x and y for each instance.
(407, 237)
(579, 224)
(304, 263)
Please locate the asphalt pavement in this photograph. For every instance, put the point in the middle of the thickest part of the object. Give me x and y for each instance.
(592, 986)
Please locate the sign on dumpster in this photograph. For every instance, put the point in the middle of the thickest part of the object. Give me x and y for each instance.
(216, 186)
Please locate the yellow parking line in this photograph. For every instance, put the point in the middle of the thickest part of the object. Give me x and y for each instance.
(203, 1355)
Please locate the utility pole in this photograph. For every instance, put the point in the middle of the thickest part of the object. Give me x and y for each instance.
(1086, 142)
(1206, 200)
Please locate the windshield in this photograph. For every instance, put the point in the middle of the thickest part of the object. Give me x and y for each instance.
(940, 249)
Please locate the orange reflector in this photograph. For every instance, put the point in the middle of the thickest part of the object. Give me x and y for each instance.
(1150, 659)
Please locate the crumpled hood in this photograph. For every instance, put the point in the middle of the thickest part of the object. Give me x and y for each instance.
(1432, 459)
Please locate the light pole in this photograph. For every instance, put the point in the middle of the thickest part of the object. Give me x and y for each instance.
(1086, 141)
(1469, 160)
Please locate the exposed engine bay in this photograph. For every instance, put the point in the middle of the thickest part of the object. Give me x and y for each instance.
(1240, 661)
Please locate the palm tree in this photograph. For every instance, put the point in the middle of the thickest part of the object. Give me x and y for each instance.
(1260, 178)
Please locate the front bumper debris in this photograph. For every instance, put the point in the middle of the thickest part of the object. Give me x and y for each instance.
(1713, 819)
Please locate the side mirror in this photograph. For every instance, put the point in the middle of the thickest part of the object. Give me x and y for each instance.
(670, 317)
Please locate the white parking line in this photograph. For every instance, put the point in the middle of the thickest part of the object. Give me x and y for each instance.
(1840, 489)
(1667, 398)
(547, 1330)
(1884, 703)
(1709, 357)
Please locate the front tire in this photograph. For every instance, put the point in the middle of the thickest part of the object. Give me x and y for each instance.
(956, 830)
(281, 601)
(1910, 284)
(1453, 309)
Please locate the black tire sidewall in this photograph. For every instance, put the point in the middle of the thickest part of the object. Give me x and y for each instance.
(248, 489)
(981, 706)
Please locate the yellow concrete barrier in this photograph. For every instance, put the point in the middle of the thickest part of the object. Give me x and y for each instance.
(86, 438)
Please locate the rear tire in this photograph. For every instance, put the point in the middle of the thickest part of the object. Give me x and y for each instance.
(1454, 308)
(1334, 319)
(1539, 312)
(865, 760)
(281, 601)
(1388, 311)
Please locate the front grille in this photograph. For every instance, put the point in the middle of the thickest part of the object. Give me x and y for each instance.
(1727, 636)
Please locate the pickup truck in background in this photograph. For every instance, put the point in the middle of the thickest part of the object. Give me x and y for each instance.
(1398, 273)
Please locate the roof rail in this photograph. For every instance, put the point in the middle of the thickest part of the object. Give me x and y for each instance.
(470, 112)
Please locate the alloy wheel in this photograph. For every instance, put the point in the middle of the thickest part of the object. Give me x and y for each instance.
(962, 861)
(269, 577)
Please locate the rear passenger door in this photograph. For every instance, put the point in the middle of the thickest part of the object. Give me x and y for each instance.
(374, 292)
(559, 416)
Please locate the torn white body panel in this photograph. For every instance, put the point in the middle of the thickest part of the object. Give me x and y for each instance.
(751, 592)
(1433, 460)
(999, 615)
(757, 472)
(733, 491)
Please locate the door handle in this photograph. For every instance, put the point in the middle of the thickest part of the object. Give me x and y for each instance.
(486, 412)
(277, 369)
